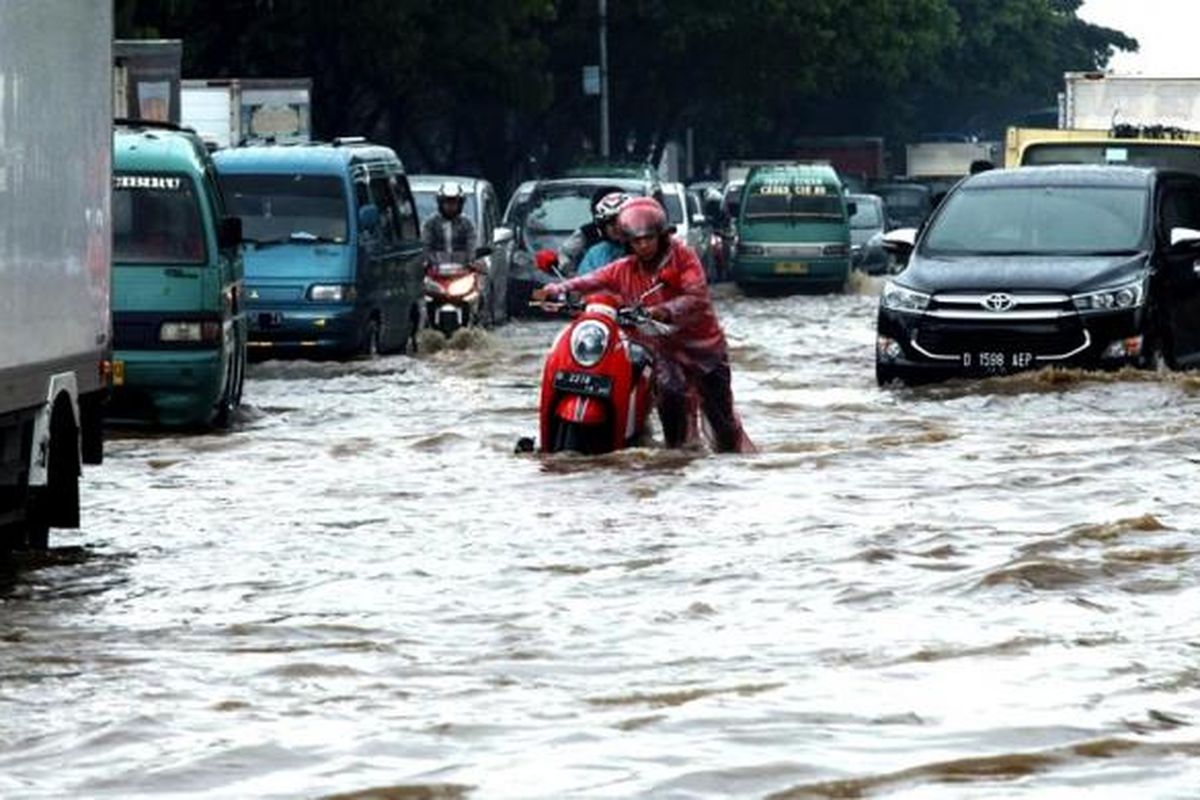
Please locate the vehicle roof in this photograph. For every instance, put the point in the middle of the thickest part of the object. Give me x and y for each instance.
(595, 183)
(1063, 175)
(434, 181)
(860, 196)
(817, 170)
(157, 149)
(316, 157)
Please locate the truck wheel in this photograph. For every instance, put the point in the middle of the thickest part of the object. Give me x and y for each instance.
(233, 392)
(57, 504)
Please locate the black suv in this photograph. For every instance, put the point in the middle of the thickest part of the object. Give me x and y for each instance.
(1090, 266)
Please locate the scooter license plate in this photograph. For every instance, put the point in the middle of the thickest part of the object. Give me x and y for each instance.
(583, 383)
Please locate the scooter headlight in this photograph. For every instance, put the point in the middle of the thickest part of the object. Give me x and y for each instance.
(460, 286)
(589, 340)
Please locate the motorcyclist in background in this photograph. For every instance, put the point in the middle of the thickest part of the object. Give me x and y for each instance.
(449, 231)
(612, 246)
(666, 276)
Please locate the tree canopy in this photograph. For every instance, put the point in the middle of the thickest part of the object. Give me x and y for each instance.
(494, 86)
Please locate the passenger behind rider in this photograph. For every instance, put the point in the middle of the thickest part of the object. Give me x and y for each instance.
(612, 246)
(692, 356)
(449, 231)
(572, 251)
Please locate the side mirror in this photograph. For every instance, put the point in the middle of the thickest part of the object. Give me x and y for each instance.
(851, 208)
(502, 236)
(1184, 238)
(229, 233)
(482, 252)
(900, 242)
(368, 217)
(699, 219)
(546, 260)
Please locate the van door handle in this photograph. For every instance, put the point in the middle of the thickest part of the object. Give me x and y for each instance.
(1196, 268)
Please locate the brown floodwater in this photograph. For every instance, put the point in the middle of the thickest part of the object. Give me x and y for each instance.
(982, 589)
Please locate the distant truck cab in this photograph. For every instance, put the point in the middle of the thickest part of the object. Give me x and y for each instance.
(178, 324)
(1121, 146)
(793, 230)
(333, 250)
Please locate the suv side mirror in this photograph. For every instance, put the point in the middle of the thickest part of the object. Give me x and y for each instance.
(900, 242)
(502, 236)
(1185, 238)
(368, 217)
(229, 233)
(482, 252)
(851, 208)
(699, 219)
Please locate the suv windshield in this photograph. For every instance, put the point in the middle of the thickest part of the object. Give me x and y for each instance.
(156, 220)
(785, 198)
(277, 208)
(1035, 220)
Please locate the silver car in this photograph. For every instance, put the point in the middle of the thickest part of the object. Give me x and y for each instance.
(866, 234)
(683, 211)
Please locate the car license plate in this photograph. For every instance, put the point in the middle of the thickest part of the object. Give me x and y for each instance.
(791, 268)
(994, 361)
(583, 383)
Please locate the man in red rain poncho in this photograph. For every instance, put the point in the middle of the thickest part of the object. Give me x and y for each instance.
(694, 357)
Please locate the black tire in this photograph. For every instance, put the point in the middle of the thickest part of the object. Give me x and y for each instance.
(57, 504)
(568, 438)
(232, 398)
(885, 375)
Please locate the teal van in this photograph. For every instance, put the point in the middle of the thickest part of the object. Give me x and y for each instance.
(334, 264)
(179, 331)
(793, 230)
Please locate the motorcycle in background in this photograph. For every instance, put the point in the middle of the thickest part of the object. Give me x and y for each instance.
(454, 290)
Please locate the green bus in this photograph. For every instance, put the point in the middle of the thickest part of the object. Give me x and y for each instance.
(179, 330)
(793, 231)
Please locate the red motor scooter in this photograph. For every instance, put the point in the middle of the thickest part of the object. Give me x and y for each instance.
(597, 381)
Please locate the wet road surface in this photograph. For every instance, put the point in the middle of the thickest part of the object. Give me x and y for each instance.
(986, 589)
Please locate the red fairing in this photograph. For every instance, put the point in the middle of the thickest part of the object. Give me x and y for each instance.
(583, 410)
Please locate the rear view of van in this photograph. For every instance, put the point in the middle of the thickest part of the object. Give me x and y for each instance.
(793, 231)
(332, 253)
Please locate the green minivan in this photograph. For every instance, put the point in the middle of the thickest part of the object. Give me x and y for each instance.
(179, 330)
(793, 230)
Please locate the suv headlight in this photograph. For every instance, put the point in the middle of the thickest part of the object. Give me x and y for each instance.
(1119, 298)
(589, 340)
(898, 298)
(332, 293)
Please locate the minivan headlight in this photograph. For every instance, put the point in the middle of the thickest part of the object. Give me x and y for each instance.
(1118, 298)
(589, 340)
(332, 292)
(899, 298)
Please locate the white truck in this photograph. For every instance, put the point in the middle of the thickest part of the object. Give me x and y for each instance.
(55, 245)
(1103, 101)
(930, 160)
(227, 112)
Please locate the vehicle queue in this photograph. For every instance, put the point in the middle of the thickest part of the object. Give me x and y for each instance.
(314, 250)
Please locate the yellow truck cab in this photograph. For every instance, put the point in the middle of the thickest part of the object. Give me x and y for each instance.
(1166, 148)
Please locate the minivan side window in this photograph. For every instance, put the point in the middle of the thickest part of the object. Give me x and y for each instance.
(410, 229)
(1180, 207)
(385, 200)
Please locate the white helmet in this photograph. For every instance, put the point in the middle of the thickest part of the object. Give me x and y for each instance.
(451, 190)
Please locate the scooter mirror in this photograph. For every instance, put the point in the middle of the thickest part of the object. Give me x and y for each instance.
(546, 260)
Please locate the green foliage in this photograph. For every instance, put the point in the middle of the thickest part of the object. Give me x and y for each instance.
(494, 85)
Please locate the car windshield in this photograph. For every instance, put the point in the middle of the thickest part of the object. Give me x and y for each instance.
(426, 200)
(278, 208)
(786, 198)
(1036, 220)
(905, 199)
(559, 210)
(674, 208)
(156, 220)
(1164, 156)
(866, 215)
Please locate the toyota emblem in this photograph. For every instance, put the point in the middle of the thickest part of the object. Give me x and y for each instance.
(999, 302)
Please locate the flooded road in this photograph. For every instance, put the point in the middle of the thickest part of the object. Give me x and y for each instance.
(979, 590)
